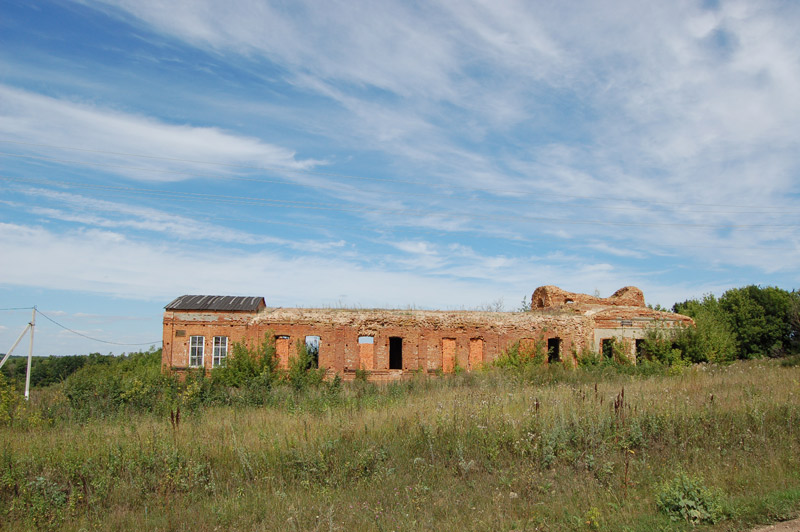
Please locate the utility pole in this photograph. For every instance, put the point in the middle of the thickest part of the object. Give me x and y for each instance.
(30, 326)
(30, 355)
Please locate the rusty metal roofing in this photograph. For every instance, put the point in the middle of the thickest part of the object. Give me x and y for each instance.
(229, 303)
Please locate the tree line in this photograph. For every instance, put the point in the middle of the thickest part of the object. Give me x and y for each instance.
(743, 323)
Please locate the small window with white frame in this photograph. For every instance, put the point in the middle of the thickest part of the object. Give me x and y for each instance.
(220, 351)
(196, 348)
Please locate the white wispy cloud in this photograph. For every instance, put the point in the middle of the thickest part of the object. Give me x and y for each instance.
(169, 150)
(649, 75)
(99, 213)
(679, 104)
(105, 262)
(617, 250)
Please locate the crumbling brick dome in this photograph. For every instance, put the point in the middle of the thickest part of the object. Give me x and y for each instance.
(552, 296)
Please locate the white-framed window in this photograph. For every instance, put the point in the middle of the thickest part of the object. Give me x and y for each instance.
(196, 347)
(220, 351)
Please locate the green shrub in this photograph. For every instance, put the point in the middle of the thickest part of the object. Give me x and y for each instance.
(659, 347)
(302, 371)
(621, 349)
(198, 388)
(108, 385)
(790, 362)
(713, 338)
(587, 358)
(246, 364)
(45, 500)
(519, 356)
(684, 498)
(10, 401)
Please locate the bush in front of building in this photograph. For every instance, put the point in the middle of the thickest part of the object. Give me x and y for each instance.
(522, 355)
(246, 365)
(303, 370)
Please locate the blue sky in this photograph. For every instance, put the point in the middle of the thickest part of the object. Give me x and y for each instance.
(388, 154)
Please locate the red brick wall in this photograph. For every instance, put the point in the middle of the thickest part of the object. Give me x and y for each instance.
(431, 340)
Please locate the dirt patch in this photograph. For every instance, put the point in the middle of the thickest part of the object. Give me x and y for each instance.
(786, 526)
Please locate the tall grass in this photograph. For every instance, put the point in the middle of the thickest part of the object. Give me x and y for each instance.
(554, 449)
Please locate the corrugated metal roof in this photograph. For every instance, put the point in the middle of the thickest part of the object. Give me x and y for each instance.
(216, 303)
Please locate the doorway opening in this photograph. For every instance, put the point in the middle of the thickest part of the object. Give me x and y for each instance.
(640, 350)
(395, 352)
(608, 348)
(553, 349)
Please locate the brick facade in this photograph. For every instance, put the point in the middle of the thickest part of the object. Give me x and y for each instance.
(393, 343)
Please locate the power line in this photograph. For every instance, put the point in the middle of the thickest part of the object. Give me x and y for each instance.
(17, 308)
(288, 169)
(89, 337)
(327, 206)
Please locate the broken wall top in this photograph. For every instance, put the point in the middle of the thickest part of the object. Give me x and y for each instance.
(548, 297)
(434, 319)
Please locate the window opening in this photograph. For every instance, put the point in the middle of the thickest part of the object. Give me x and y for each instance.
(196, 346)
(220, 351)
(553, 349)
(366, 352)
(395, 352)
(312, 348)
(608, 347)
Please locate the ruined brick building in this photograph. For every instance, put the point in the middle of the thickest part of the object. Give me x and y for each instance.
(199, 332)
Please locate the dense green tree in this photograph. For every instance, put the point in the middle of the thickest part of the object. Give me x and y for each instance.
(48, 370)
(713, 338)
(759, 321)
(54, 369)
(761, 317)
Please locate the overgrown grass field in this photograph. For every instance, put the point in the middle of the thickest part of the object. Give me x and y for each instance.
(553, 449)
